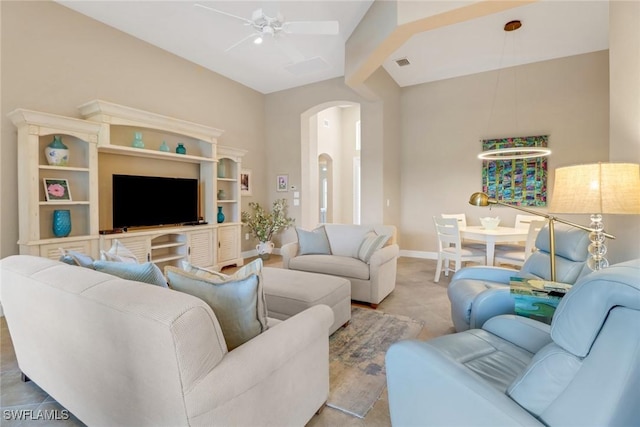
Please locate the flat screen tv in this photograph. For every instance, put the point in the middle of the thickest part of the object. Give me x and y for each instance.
(152, 200)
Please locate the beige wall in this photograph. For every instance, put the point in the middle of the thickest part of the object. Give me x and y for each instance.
(443, 122)
(624, 66)
(387, 151)
(54, 59)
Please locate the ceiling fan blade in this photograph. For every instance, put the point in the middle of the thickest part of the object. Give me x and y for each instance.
(245, 20)
(328, 28)
(289, 49)
(242, 40)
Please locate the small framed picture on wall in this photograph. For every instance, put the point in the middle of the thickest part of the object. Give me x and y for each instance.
(282, 183)
(56, 190)
(245, 182)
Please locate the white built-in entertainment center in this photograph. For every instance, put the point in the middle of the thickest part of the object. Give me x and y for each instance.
(100, 145)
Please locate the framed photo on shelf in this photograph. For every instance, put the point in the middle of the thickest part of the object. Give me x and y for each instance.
(282, 183)
(245, 182)
(56, 190)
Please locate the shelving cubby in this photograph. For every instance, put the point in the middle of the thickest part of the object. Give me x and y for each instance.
(104, 137)
(167, 248)
(120, 122)
(228, 170)
(35, 132)
(122, 136)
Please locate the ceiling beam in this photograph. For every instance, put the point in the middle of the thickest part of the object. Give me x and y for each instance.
(383, 30)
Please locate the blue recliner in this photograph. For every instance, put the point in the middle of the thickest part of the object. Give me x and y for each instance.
(583, 370)
(479, 293)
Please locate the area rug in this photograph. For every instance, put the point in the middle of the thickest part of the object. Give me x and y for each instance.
(356, 357)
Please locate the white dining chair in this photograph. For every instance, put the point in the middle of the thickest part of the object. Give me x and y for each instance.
(451, 249)
(523, 221)
(462, 222)
(517, 254)
(462, 218)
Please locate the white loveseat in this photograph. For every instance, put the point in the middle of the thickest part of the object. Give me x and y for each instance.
(119, 352)
(370, 281)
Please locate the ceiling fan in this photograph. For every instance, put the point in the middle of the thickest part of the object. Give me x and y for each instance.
(264, 25)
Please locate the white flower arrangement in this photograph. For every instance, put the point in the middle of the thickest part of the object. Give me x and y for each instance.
(263, 224)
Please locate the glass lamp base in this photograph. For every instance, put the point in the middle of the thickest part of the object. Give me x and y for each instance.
(597, 248)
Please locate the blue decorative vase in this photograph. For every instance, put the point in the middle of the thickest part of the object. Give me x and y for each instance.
(57, 153)
(220, 215)
(222, 168)
(164, 147)
(61, 223)
(180, 149)
(137, 140)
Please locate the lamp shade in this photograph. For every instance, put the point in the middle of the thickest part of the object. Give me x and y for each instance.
(599, 188)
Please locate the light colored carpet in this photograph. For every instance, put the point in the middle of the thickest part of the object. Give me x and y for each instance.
(356, 357)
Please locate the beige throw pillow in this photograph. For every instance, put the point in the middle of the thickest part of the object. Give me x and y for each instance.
(238, 300)
(371, 243)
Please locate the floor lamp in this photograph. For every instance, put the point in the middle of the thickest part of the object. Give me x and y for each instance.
(596, 189)
(482, 199)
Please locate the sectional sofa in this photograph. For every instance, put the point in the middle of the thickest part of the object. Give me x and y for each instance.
(120, 352)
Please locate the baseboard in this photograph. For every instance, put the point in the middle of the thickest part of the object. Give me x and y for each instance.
(419, 254)
(405, 253)
(249, 254)
(254, 253)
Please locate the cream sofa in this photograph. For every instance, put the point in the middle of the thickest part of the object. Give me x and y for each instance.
(370, 282)
(118, 352)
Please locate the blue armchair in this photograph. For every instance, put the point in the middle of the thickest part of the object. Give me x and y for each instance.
(479, 293)
(583, 370)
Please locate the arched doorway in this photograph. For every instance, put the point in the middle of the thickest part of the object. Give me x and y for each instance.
(330, 138)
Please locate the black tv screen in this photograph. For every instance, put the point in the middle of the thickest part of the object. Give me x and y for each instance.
(152, 200)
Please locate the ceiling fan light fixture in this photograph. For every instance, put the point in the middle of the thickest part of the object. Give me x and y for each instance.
(264, 25)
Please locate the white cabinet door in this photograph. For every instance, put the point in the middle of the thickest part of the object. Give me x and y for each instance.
(201, 248)
(228, 245)
(140, 246)
(52, 250)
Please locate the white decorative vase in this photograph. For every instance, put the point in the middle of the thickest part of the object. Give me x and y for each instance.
(57, 153)
(264, 250)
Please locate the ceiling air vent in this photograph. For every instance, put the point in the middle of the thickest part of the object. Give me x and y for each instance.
(402, 62)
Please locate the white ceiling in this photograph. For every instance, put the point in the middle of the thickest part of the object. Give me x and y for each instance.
(551, 29)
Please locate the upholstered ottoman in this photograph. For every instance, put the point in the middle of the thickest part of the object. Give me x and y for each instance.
(289, 292)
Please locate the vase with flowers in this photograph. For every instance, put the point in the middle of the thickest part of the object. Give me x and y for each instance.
(264, 225)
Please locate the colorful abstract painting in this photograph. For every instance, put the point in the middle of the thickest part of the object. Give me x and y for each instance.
(520, 182)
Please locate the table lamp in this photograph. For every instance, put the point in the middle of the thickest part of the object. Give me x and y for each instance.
(596, 189)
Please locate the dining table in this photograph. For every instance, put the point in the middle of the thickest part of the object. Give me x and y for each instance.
(492, 236)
